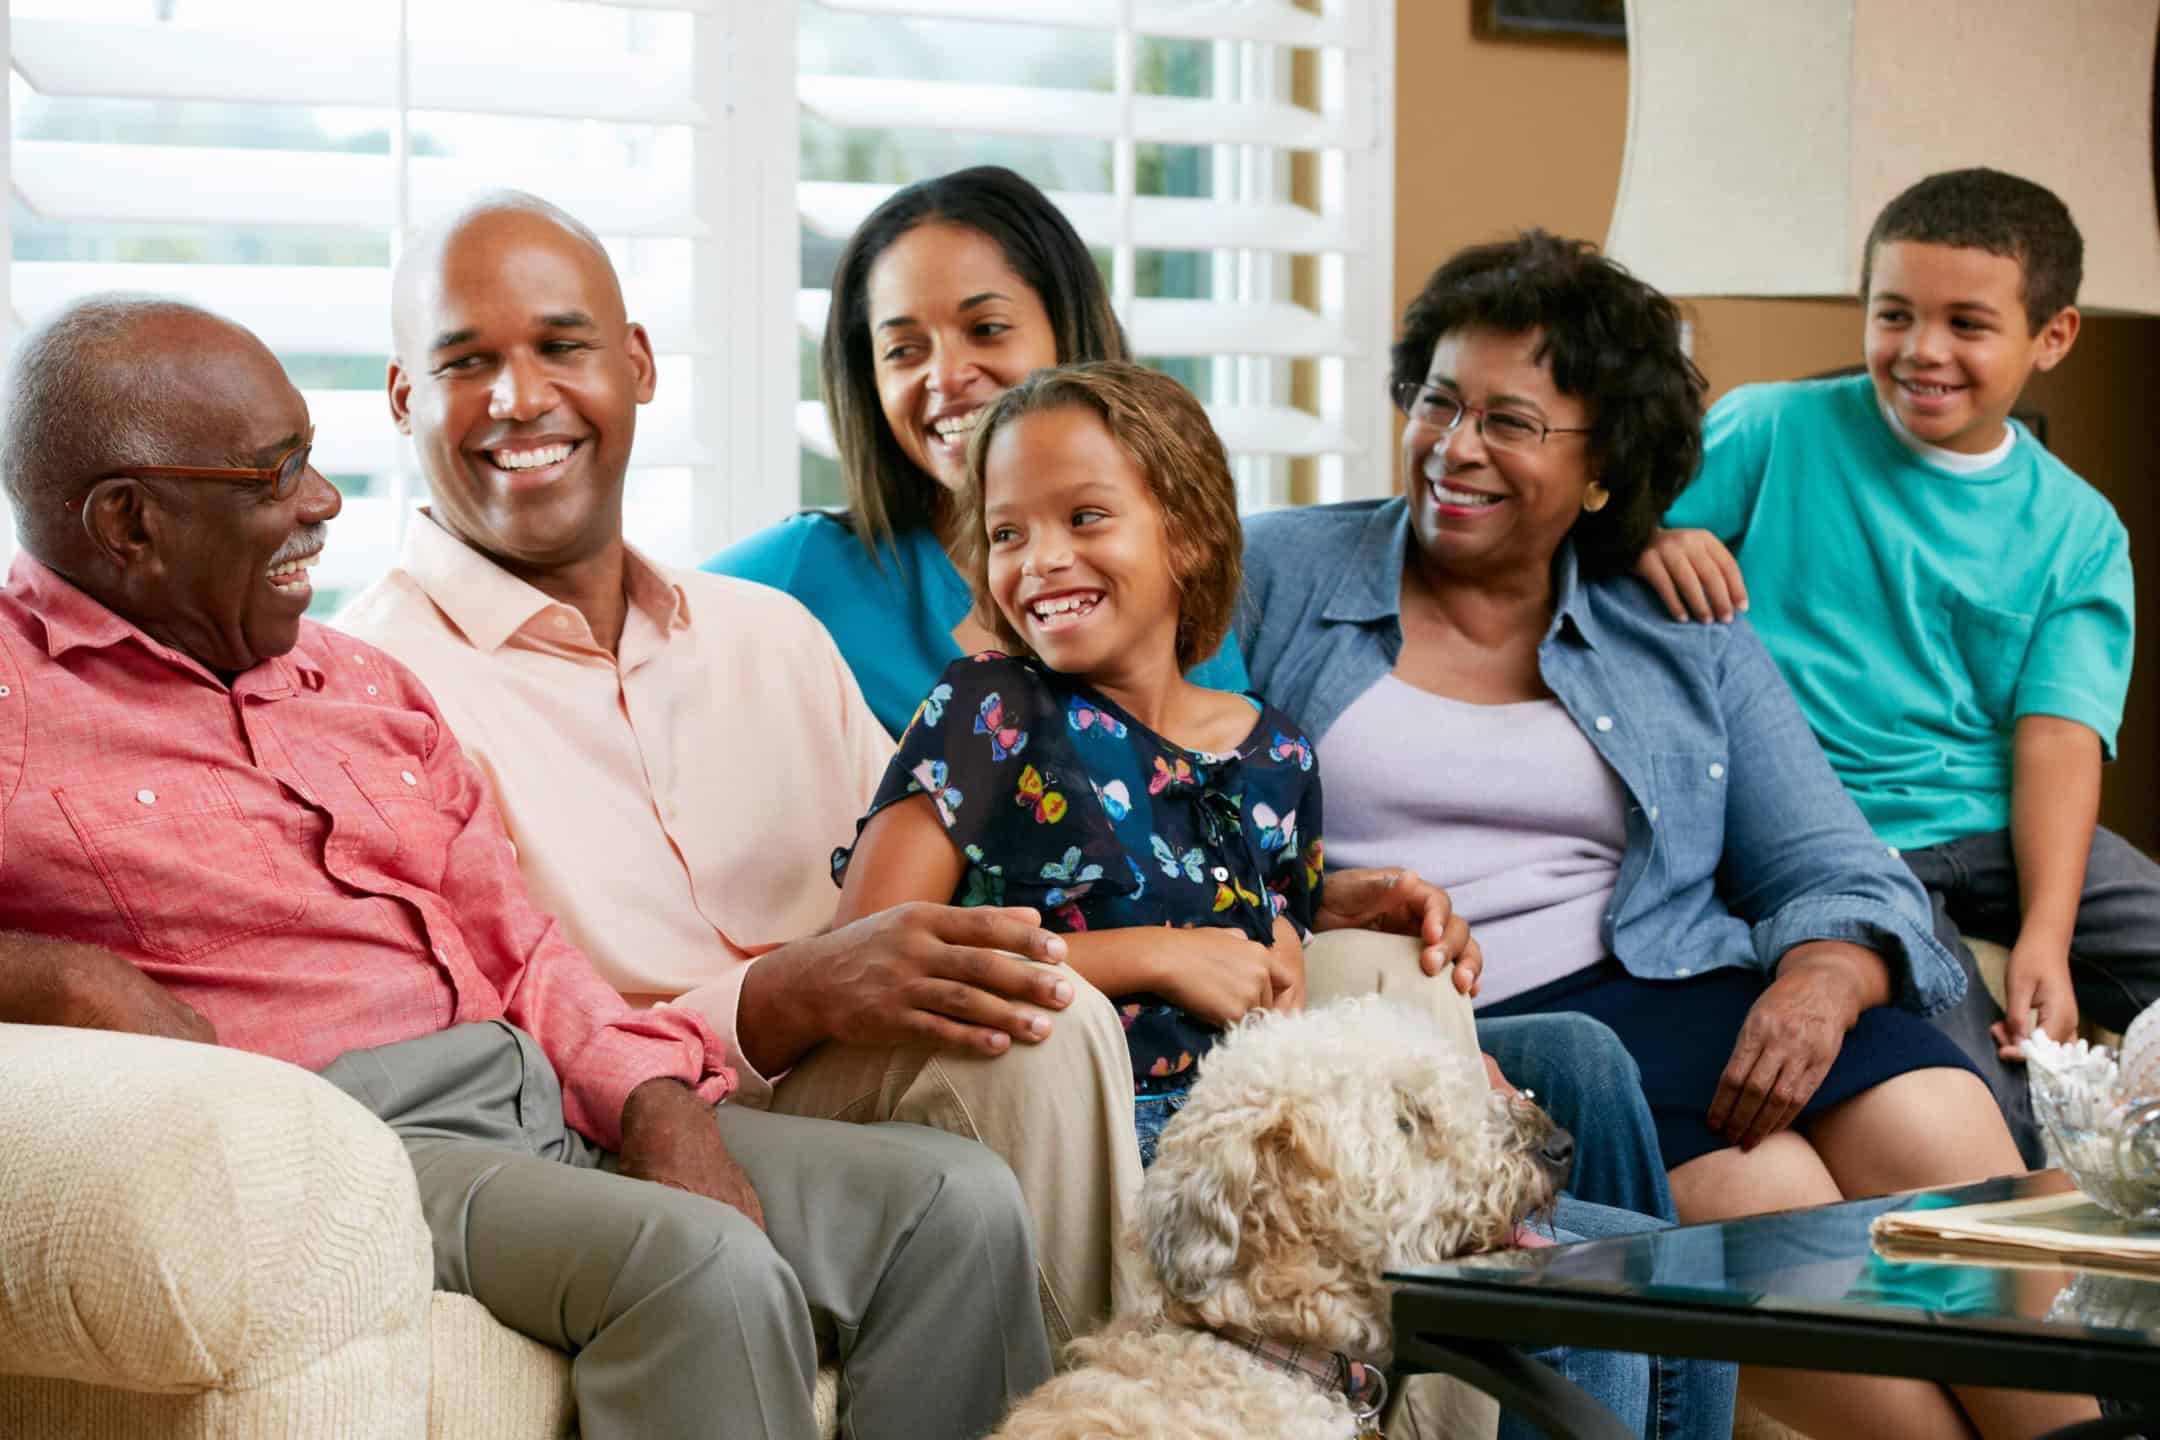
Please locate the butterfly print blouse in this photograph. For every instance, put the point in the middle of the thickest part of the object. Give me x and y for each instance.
(1057, 798)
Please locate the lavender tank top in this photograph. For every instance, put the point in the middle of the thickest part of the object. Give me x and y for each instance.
(1508, 807)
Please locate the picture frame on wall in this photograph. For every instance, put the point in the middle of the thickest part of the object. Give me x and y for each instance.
(1575, 21)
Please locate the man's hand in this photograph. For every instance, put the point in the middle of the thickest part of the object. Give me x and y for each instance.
(1220, 976)
(59, 982)
(967, 979)
(669, 1138)
(1398, 902)
(2035, 982)
(1792, 1036)
(1694, 574)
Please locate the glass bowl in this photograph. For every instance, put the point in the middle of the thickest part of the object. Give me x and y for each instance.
(2107, 1142)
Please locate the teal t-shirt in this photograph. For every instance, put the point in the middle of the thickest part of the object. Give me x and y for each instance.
(1916, 612)
(893, 621)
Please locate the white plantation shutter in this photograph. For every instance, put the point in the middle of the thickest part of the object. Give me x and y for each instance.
(1230, 160)
(267, 159)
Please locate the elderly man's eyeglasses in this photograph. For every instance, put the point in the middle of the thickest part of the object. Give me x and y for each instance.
(283, 477)
(1436, 409)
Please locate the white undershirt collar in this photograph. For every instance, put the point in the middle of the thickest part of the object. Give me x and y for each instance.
(1957, 462)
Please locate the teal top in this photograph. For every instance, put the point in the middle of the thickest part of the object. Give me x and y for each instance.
(892, 618)
(1917, 612)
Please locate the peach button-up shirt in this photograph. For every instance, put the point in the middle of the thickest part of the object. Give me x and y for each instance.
(674, 805)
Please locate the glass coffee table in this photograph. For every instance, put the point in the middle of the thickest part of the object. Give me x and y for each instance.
(1803, 1288)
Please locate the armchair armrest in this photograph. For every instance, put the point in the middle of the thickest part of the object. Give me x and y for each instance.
(1343, 963)
(179, 1218)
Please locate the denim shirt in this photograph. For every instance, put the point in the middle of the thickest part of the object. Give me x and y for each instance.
(1741, 843)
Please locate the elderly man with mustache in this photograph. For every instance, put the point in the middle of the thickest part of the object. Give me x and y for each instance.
(224, 823)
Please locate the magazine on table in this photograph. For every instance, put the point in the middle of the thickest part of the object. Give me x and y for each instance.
(2066, 1227)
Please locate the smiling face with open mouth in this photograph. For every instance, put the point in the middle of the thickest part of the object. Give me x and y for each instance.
(1480, 509)
(519, 379)
(1079, 563)
(230, 584)
(1948, 343)
(952, 327)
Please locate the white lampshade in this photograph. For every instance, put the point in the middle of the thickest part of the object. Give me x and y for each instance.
(1765, 135)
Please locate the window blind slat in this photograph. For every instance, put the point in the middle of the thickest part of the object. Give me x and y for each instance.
(181, 184)
(835, 208)
(1273, 22)
(171, 62)
(1278, 430)
(878, 103)
(1247, 327)
(317, 309)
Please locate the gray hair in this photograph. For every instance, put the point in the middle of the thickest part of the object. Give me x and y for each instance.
(78, 407)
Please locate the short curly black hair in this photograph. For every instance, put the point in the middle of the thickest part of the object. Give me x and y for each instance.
(1610, 341)
(2001, 213)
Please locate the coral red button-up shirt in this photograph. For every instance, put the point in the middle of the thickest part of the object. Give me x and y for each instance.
(305, 856)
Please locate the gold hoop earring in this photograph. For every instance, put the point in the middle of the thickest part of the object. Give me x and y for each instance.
(1595, 497)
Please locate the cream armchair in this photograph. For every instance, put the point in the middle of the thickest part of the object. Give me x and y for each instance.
(198, 1242)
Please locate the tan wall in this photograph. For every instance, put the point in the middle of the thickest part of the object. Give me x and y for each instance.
(1494, 135)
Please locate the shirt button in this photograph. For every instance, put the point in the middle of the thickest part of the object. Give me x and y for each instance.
(1603, 723)
(1653, 812)
(146, 797)
(371, 690)
(3, 692)
(1717, 772)
(562, 622)
(408, 777)
(359, 659)
(1893, 852)
(1221, 874)
(1682, 973)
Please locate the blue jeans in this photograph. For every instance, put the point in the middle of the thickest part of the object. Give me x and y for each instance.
(1661, 1396)
(1589, 1085)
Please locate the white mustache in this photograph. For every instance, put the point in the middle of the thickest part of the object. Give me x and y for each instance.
(305, 541)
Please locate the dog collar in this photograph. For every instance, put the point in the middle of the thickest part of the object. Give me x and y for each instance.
(1360, 1384)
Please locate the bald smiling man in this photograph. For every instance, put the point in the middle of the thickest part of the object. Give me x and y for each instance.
(677, 754)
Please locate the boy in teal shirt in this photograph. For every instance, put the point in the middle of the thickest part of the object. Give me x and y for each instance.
(1951, 604)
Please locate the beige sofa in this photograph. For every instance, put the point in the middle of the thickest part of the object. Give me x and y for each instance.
(198, 1242)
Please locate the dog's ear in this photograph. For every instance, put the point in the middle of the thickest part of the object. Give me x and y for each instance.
(1193, 1222)
(1193, 1206)
(1195, 1215)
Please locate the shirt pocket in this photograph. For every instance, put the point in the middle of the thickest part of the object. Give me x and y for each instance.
(183, 866)
(1687, 813)
(401, 833)
(1991, 643)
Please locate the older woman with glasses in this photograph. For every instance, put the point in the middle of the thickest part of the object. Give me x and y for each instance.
(1630, 811)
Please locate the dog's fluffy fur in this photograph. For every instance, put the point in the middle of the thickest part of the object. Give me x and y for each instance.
(1318, 1150)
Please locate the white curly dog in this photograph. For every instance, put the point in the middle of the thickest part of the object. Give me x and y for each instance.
(1317, 1151)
